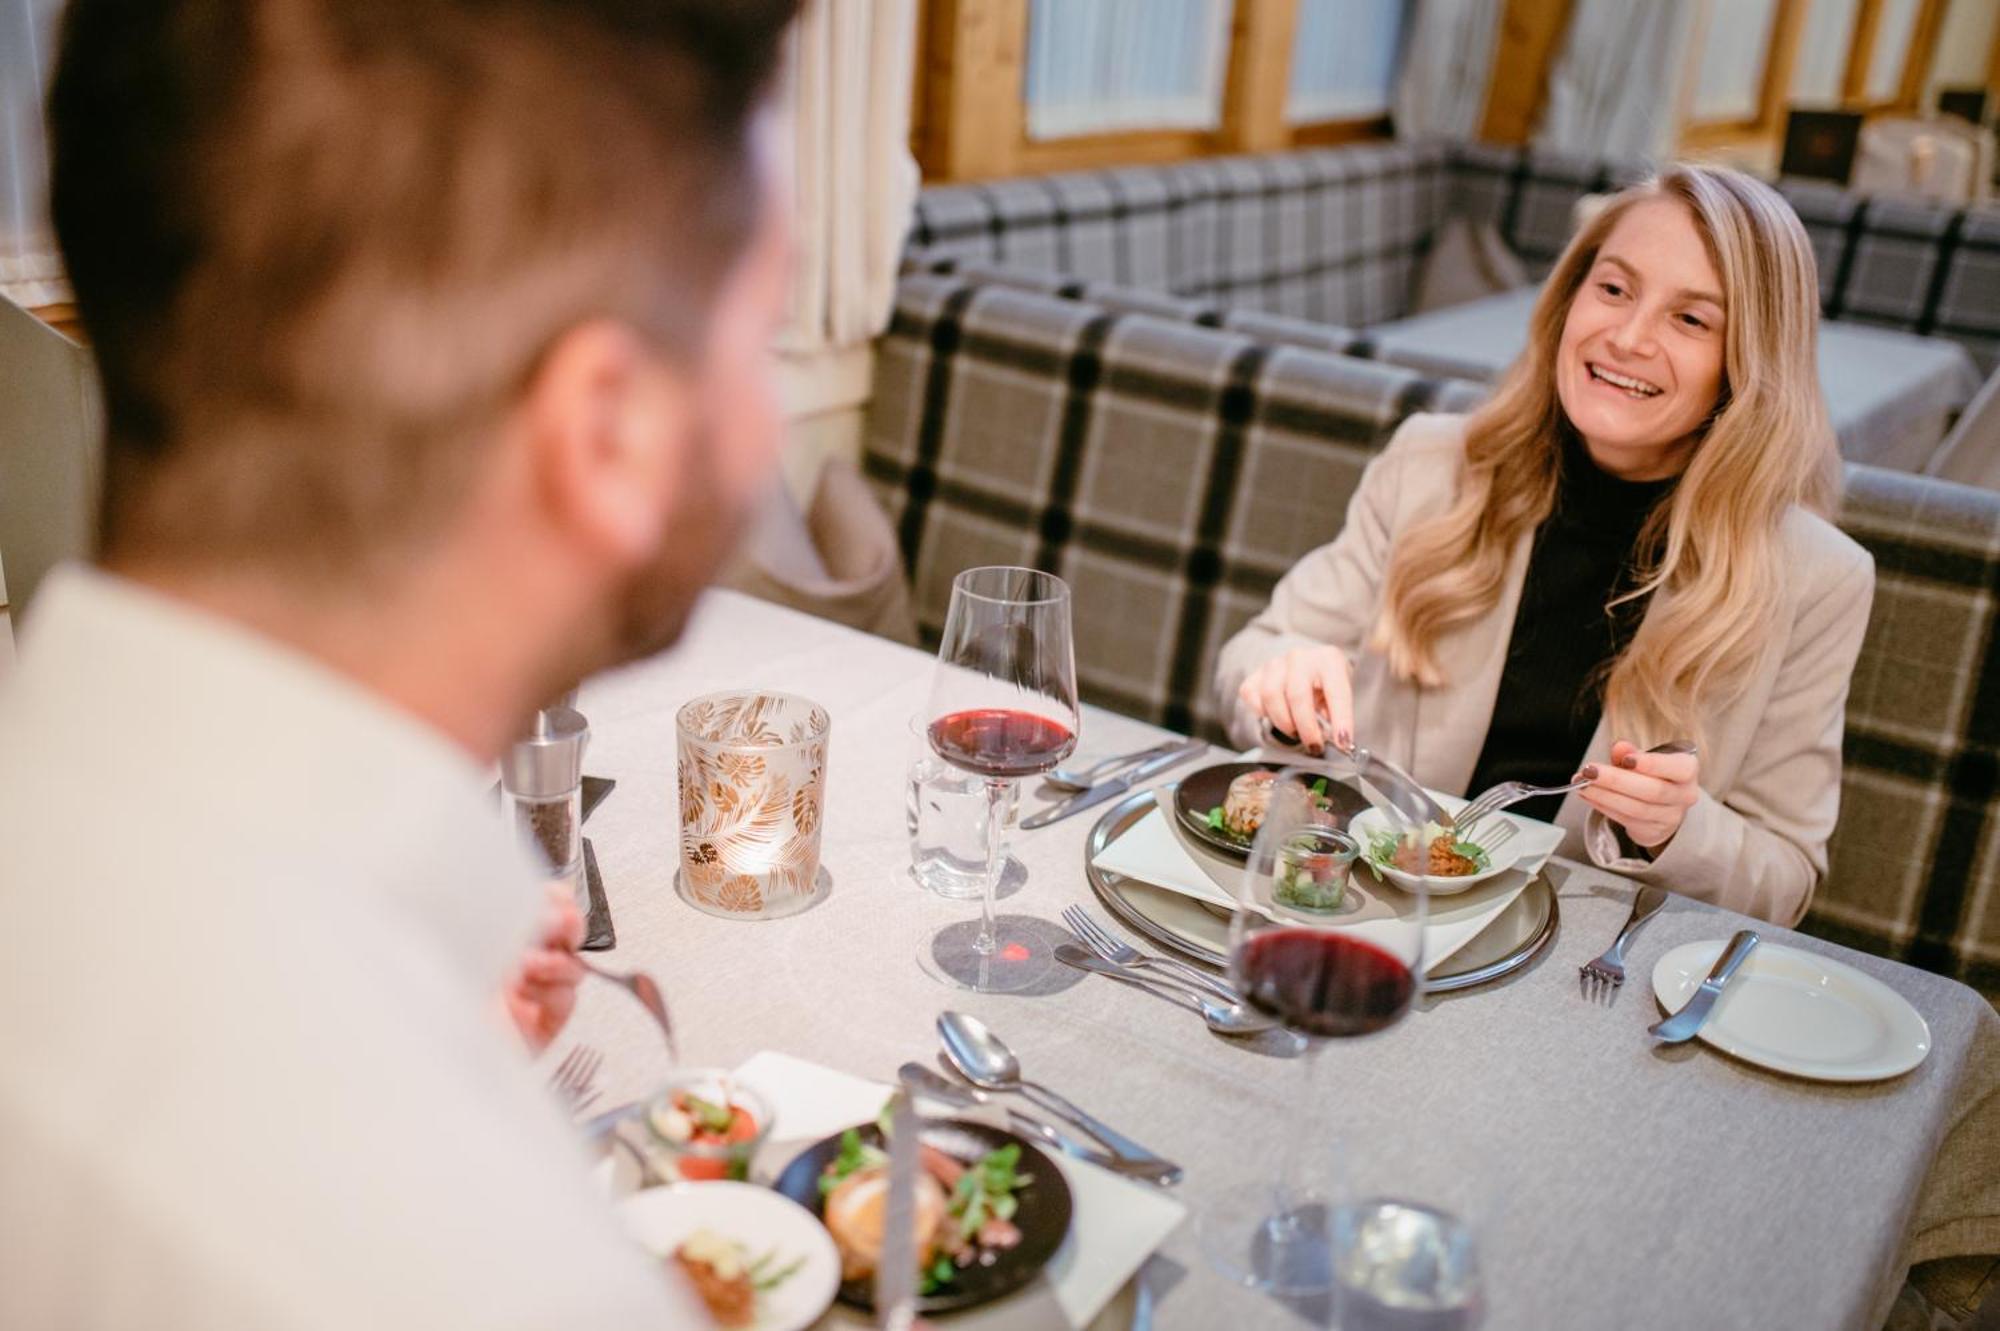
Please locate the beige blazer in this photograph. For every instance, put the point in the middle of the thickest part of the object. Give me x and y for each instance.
(1755, 840)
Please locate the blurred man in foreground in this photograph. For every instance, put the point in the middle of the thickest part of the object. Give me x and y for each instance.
(432, 338)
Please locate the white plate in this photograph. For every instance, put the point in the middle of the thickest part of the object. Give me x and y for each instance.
(1371, 821)
(660, 1219)
(1796, 1012)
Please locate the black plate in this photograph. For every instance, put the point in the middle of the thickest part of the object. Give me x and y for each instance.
(1206, 789)
(1043, 1214)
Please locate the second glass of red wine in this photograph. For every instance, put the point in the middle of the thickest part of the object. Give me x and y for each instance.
(1333, 957)
(1003, 706)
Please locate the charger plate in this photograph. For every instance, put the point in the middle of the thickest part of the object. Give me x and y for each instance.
(1516, 937)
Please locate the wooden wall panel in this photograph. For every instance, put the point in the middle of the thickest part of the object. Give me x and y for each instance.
(1530, 38)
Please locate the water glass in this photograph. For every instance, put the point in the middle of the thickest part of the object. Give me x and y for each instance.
(945, 811)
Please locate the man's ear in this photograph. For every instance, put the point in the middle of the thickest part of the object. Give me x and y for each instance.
(608, 421)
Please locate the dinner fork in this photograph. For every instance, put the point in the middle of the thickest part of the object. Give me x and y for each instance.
(1513, 792)
(640, 985)
(1602, 977)
(1113, 948)
(1502, 795)
(572, 1080)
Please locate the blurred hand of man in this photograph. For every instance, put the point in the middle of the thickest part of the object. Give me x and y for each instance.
(541, 993)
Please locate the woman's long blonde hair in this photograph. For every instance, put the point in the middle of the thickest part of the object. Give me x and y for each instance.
(1712, 551)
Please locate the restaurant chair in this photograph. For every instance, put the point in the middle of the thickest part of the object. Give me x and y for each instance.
(1970, 454)
(1932, 159)
(838, 559)
(1820, 145)
(50, 449)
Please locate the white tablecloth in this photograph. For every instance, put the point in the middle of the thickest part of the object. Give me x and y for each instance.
(1637, 1187)
(1890, 394)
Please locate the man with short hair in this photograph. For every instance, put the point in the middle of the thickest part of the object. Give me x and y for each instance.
(432, 336)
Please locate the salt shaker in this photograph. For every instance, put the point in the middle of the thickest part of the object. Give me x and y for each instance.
(541, 785)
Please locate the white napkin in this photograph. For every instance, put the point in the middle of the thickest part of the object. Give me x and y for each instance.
(1152, 853)
(1115, 1226)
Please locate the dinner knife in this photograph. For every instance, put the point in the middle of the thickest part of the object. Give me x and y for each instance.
(1387, 786)
(1683, 1024)
(1116, 786)
(896, 1264)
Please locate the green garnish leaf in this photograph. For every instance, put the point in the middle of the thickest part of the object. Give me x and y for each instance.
(765, 1284)
(707, 1114)
(939, 1274)
(1215, 822)
(855, 1154)
(1319, 786)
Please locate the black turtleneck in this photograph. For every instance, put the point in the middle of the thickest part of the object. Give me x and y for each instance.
(1551, 689)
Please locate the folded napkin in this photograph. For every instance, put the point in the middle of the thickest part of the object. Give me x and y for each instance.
(1115, 1227)
(1153, 851)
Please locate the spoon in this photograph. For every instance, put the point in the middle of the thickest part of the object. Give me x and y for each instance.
(1222, 1018)
(926, 1082)
(990, 1065)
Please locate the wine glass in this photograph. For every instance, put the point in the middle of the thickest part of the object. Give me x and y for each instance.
(1333, 955)
(1002, 706)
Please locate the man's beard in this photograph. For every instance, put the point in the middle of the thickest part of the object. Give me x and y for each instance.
(647, 616)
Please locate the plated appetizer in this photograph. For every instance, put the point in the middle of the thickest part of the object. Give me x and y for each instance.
(990, 1209)
(1432, 851)
(965, 1212)
(728, 1278)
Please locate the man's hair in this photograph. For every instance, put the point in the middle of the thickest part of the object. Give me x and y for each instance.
(319, 246)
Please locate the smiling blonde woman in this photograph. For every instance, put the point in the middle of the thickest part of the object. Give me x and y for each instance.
(1626, 545)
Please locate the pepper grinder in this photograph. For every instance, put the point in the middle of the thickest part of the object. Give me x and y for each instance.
(541, 785)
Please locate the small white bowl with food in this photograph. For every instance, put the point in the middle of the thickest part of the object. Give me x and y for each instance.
(1434, 857)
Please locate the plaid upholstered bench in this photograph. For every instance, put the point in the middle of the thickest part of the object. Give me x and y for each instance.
(1337, 235)
(1172, 460)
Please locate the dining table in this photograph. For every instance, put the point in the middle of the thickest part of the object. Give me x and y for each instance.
(1891, 395)
(1626, 1184)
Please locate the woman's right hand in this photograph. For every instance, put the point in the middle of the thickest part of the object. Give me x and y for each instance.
(1307, 692)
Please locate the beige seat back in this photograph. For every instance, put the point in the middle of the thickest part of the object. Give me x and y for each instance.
(51, 451)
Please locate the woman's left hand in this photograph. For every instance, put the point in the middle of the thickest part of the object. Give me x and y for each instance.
(1647, 794)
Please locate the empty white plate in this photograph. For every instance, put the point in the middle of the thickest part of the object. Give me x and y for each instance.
(761, 1220)
(1796, 1012)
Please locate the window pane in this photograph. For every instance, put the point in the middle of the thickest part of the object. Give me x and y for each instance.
(1822, 65)
(1101, 65)
(1344, 59)
(1729, 82)
(1892, 47)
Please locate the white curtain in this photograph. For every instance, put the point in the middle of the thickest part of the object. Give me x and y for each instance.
(1446, 65)
(1344, 59)
(846, 94)
(30, 272)
(1616, 89)
(1729, 66)
(1096, 66)
(1822, 59)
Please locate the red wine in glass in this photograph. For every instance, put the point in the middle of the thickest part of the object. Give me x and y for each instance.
(1322, 982)
(999, 743)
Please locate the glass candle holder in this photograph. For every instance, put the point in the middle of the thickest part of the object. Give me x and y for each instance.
(752, 795)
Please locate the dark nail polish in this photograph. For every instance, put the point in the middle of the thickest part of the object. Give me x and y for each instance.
(1629, 761)
(1589, 772)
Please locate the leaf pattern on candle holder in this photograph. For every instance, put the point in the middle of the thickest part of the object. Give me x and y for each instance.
(750, 821)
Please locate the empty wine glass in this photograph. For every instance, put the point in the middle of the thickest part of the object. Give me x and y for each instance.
(1332, 958)
(1003, 706)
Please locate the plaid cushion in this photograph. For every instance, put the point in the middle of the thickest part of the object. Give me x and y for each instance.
(1171, 472)
(1902, 263)
(1530, 195)
(1334, 235)
(1915, 870)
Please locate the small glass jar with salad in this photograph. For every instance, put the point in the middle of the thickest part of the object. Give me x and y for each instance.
(704, 1125)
